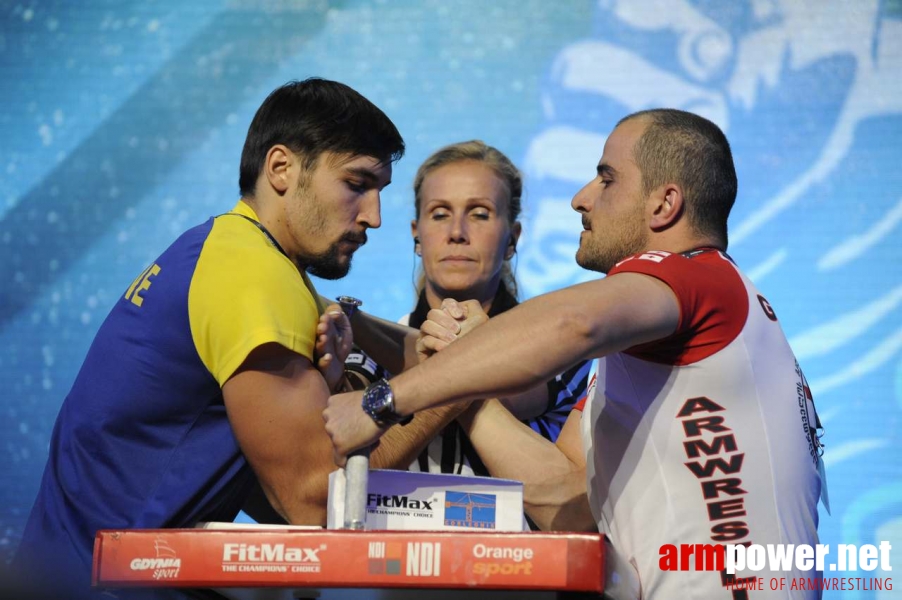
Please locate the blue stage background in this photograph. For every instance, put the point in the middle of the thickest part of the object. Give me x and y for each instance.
(121, 125)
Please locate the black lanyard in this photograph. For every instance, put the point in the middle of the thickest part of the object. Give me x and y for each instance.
(260, 226)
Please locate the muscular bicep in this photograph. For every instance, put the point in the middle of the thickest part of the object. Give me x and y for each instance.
(274, 403)
(628, 309)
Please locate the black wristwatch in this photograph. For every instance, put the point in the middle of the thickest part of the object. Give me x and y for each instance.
(379, 403)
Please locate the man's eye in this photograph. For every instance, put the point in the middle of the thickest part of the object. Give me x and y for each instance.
(356, 186)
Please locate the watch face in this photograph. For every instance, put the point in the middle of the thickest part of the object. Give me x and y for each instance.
(377, 400)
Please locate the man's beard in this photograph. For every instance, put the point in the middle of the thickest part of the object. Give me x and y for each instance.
(329, 265)
(601, 256)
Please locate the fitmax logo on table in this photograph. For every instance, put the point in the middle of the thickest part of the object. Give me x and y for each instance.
(400, 505)
(270, 558)
(398, 501)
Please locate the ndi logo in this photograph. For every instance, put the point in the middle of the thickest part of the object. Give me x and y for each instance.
(424, 559)
(463, 509)
(384, 558)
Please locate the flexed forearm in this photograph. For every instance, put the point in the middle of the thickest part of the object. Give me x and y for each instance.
(534, 341)
(390, 344)
(554, 483)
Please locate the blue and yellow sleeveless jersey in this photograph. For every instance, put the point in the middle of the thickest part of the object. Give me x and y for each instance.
(143, 440)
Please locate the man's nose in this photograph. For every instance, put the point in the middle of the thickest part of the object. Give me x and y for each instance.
(370, 210)
(581, 202)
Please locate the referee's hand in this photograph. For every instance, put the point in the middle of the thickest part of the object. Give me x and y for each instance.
(448, 323)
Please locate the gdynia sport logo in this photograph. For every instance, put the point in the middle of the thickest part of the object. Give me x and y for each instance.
(804, 564)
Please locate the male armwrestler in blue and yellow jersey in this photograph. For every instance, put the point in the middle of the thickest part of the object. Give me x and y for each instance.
(203, 379)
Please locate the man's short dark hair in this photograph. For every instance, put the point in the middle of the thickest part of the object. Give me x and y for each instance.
(689, 150)
(315, 116)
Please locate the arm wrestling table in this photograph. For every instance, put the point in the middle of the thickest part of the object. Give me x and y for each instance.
(254, 558)
(295, 558)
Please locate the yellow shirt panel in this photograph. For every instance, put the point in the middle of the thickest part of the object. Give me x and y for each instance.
(246, 293)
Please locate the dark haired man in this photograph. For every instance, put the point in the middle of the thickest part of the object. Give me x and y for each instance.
(203, 379)
(698, 428)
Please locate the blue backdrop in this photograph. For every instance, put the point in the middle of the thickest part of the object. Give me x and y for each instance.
(122, 124)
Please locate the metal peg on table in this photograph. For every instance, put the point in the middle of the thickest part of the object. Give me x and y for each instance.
(356, 476)
(358, 466)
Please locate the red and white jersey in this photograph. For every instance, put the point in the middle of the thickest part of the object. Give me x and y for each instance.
(704, 437)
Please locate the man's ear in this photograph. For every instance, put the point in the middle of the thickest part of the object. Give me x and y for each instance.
(279, 168)
(666, 206)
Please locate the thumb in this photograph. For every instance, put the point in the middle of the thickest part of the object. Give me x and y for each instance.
(453, 308)
(343, 323)
(471, 307)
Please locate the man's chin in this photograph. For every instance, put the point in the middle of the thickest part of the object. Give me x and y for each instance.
(590, 263)
(332, 269)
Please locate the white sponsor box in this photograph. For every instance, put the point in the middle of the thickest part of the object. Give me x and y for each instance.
(432, 502)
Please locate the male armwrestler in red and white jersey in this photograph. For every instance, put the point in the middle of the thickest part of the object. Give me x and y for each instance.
(705, 436)
(697, 430)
